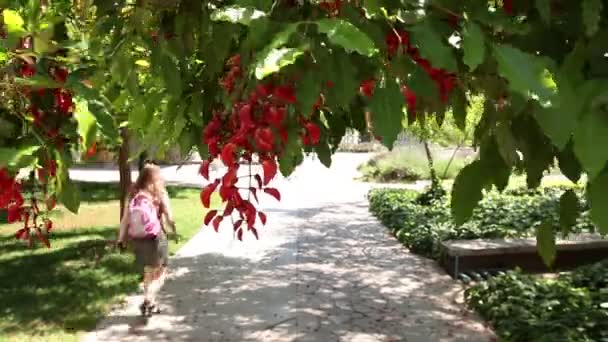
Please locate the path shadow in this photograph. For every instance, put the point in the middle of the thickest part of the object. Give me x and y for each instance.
(64, 288)
(344, 278)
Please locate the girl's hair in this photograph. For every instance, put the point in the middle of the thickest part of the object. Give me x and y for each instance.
(148, 182)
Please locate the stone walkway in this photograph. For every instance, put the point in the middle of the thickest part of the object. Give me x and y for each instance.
(323, 270)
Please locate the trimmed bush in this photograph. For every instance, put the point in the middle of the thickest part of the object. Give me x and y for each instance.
(512, 214)
(573, 307)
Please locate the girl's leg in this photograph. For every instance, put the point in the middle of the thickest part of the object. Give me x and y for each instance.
(149, 274)
(156, 283)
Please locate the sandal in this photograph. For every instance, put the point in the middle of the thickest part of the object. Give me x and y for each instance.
(153, 309)
(144, 307)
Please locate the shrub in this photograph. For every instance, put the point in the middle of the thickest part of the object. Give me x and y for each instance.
(409, 165)
(512, 214)
(528, 308)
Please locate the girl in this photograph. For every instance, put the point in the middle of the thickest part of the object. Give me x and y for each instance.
(148, 204)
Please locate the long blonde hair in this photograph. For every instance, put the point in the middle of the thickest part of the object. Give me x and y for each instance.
(149, 180)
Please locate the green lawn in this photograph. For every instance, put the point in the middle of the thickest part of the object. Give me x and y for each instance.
(57, 294)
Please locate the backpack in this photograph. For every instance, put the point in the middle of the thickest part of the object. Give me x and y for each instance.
(143, 217)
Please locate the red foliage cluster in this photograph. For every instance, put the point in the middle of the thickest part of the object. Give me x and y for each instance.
(443, 79)
(10, 197)
(331, 6)
(49, 108)
(256, 127)
(507, 7)
(11, 200)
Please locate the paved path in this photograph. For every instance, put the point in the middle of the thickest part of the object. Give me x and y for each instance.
(323, 270)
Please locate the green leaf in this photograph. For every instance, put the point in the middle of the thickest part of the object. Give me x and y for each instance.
(348, 36)
(291, 157)
(592, 15)
(276, 60)
(569, 164)
(569, 210)
(545, 243)
(69, 195)
(342, 73)
(590, 141)
(195, 110)
(421, 84)
(433, 47)
(473, 45)
(467, 191)
(172, 75)
(16, 158)
(496, 169)
(121, 66)
(87, 124)
(544, 9)
(459, 108)
(598, 198)
(308, 90)
(387, 111)
(237, 14)
(96, 106)
(572, 66)
(37, 81)
(507, 146)
(558, 122)
(527, 74)
(324, 154)
(372, 7)
(13, 22)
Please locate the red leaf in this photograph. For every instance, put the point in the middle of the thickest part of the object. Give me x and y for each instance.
(229, 209)
(259, 180)
(255, 232)
(92, 150)
(21, 234)
(270, 170)
(204, 170)
(314, 132)
(262, 217)
(285, 93)
(210, 215)
(239, 234)
(206, 193)
(254, 193)
(237, 224)
(367, 87)
(227, 155)
(14, 213)
(48, 225)
(51, 202)
(264, 139)
(227, 192)
(230, 178)
(273, 192)
(43, 238)
(216, 222)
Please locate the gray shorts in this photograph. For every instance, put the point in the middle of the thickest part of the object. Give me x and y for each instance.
(151, 252)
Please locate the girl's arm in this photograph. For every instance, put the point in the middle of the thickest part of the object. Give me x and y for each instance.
(166, 210)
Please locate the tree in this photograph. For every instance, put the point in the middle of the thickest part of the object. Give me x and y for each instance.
(294, 74)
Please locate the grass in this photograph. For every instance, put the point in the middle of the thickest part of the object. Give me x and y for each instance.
(409, 165)
(59, 293)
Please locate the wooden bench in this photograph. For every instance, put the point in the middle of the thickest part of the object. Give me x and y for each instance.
(459, 256)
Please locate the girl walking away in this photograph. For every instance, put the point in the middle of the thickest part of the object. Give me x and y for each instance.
(142, 224)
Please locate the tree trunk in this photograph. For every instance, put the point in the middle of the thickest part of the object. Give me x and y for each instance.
(124, 169)
(429, 157)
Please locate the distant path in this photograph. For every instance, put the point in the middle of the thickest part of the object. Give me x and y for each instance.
(323, 270)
